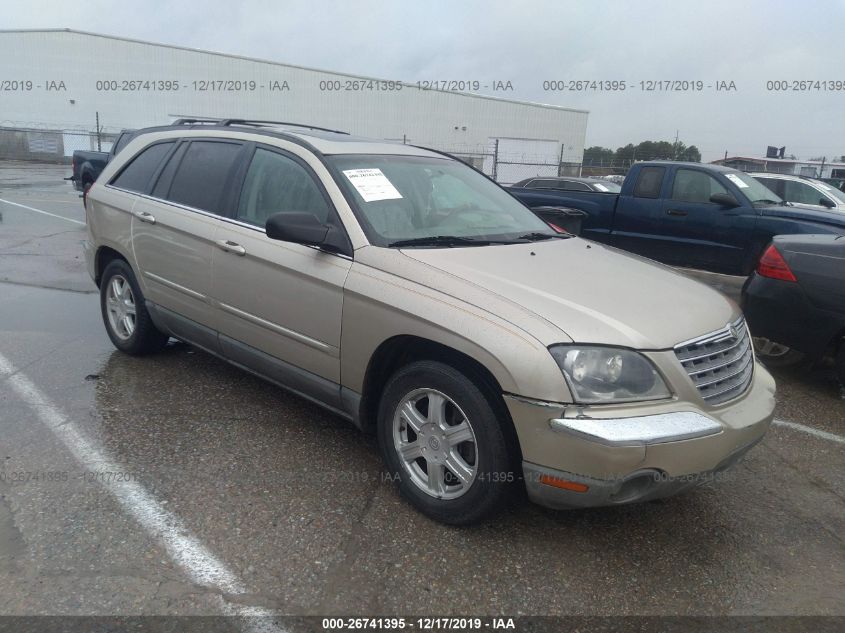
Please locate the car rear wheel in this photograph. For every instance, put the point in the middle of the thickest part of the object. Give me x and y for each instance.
(125, 316)
(444, 443)
(776, 355)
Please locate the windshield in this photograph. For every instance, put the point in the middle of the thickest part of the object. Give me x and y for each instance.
(402, 198)
(753, 189)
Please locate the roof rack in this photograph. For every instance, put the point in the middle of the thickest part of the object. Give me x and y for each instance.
(250, 122)
(193, 120)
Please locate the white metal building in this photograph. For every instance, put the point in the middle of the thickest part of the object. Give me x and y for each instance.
(59, 79)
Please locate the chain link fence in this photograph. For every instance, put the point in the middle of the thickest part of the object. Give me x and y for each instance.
(57, 146)
(508, 168)
(48, 145)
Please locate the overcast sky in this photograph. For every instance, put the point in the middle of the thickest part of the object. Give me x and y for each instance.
(529, 42)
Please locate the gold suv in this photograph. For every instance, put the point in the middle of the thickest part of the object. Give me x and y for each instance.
(405, 291)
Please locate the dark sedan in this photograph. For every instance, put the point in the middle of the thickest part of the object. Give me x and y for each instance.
(571, 183)
(795, 301)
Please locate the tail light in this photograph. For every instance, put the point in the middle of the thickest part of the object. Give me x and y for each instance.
(773, 265)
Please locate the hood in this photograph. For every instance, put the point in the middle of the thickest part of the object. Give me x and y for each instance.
(832, 217)
(593, 293)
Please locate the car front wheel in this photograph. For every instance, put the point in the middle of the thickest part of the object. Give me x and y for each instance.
(444, 442)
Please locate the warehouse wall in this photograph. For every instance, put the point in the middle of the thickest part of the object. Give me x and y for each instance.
(132, 84)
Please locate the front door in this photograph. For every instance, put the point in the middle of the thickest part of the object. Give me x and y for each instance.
(280, 303)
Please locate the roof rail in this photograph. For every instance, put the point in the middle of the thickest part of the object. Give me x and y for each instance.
(251, 122)
(259, 123)
(193, 120)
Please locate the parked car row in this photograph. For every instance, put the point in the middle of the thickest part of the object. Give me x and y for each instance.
(689, 214)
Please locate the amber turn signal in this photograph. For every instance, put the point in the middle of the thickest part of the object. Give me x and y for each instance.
(563, 483)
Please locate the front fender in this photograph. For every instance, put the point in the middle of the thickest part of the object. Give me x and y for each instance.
(379, 306)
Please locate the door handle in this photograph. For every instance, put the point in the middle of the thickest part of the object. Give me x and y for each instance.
(675, 212)
(143, 216)
(231, 247)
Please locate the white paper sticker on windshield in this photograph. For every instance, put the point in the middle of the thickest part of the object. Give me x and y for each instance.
(372, 184)
(736, 180)
(601, 187)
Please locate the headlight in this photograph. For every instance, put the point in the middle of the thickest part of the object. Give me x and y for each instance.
(606, 374)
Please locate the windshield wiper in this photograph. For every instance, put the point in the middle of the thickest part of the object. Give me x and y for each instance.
(439, 240)
(533, 237)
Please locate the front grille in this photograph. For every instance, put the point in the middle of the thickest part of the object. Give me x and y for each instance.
(720, 364)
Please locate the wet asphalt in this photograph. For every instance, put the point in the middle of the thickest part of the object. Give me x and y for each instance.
(292, 499)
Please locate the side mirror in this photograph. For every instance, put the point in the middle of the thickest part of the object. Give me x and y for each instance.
(299, 228)
(724, 199)
(826, 202)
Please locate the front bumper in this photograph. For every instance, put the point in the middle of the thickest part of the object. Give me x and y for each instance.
(591, 456)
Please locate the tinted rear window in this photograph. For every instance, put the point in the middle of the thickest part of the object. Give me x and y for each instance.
(649, 182)
(136, 176)
(200, 180)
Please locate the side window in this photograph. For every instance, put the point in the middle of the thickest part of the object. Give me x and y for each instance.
(775, 185)
(136, 175)
(543, 184)
(649, 182)
(692, 185)
(801, 193)
(570, 185)
(277, 184)
(121, 142)
(200, 180)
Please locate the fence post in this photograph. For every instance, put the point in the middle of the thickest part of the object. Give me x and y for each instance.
(495, 158)
(97, 119)
(560, 161)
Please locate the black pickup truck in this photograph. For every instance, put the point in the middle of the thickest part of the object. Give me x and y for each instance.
(689, 214)
(87, 165)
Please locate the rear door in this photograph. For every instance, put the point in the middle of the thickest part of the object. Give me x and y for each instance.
(173, 235)
(281, 303)
(638, 221)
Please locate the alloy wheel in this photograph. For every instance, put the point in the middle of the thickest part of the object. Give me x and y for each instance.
(435, 443)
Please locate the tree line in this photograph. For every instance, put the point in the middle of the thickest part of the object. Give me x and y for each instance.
(645, 150)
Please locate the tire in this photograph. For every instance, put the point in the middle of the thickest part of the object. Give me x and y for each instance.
(465, 444)
(125, 316)
(776, 355)
(840, 365)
